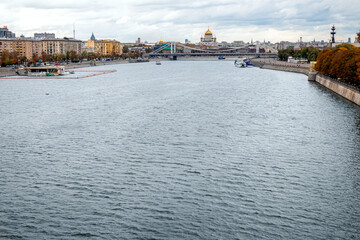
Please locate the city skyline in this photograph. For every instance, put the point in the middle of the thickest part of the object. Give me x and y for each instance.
(154, 20)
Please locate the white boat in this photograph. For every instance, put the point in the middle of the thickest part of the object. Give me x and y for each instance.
(158, 63)
(240, 63)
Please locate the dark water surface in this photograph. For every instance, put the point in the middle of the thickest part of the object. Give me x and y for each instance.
(185, 150)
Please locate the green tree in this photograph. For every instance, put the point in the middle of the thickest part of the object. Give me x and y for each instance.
(345, 45)
(67, 55)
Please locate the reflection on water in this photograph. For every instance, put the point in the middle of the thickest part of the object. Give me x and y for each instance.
(185, 150)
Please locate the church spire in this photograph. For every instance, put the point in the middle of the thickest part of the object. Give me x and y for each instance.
(92, 37)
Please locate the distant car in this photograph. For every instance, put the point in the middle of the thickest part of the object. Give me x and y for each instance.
(57, 63)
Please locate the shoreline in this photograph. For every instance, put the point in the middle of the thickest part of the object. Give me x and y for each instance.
(9, 72)
(272, 64)
(346, 91)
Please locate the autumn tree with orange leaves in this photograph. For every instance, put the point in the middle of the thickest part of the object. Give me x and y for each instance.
(342, 63)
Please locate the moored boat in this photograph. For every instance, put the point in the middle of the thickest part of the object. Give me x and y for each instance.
(242, 63)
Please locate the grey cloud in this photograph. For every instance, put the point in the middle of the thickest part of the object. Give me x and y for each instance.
(178, 18)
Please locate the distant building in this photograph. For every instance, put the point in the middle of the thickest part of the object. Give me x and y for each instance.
(104, 47)
(29, 46)
(349, 40)
(61, 46)
(238, 43)
(44, 35)
(5, 33)
(24, 47)
(208, 39)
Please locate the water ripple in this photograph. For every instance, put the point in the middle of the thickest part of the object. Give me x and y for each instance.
(193, 150)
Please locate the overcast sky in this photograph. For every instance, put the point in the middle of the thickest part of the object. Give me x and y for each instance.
(152, 20)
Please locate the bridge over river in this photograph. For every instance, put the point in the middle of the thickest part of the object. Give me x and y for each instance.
(196, 52)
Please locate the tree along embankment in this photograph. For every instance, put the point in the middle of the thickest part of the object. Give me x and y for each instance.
(341, 63)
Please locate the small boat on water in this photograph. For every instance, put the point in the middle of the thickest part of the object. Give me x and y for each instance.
(242, 63)
(158, 63)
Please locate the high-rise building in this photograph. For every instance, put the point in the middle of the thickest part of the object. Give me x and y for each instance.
(5, 33)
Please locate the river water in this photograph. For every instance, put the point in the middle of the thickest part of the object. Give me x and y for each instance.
(185, 150)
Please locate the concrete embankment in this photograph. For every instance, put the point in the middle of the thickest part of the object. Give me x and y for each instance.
(6, 72)
(340, 88)
(281, 66)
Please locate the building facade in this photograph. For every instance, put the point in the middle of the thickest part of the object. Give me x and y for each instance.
(61, 46)
(44, 35)
(29, 46)
(104, 47)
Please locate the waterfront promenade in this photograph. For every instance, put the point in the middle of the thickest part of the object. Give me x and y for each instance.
(274, 64)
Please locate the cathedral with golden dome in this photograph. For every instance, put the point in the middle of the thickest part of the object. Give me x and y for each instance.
(208, 39)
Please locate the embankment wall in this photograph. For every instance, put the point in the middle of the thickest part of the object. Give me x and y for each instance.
(281, 68)
(5, 72)
(342, 89)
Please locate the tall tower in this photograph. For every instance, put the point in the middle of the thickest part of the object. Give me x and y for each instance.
(74, 30)
(333, 34)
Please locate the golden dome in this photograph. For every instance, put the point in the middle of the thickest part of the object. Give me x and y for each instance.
(208, 32)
